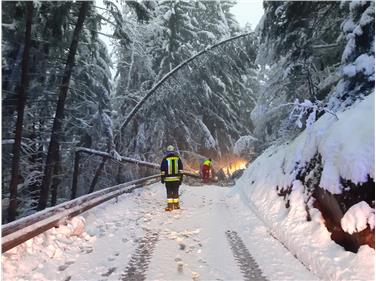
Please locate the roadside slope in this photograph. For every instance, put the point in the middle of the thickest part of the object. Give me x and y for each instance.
(346, 146)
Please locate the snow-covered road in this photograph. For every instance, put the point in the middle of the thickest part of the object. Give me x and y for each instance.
(135, 239)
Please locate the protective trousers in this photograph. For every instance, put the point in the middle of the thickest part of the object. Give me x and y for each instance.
(172, 189)
(205, 173)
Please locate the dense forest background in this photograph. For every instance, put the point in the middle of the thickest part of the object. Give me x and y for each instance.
(63, 88)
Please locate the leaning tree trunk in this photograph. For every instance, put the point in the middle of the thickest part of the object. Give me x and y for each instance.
(168, 75)
(12, 211)
(150, 93)
(157, 85)
(97, 174)
(53, 149)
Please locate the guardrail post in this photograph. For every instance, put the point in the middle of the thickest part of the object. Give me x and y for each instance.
(75, 174)
(97, 174)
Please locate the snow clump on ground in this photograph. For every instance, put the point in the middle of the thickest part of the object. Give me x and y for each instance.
(55, 243)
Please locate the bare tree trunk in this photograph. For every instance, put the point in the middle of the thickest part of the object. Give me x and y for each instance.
(36, 161)
(12, 212)
(53, 149)
(55, 181)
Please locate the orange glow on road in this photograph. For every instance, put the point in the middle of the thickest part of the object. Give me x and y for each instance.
(234, 166)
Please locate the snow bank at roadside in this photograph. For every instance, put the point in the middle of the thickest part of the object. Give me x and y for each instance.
(52, 244)
(347, 149)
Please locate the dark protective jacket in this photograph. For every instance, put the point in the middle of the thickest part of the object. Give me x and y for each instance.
(171, 168)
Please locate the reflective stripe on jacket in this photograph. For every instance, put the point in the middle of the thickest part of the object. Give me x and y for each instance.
(172, 168)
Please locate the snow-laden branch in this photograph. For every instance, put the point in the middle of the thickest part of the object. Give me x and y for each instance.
(325, 46)
(302, 108)
(311, 108)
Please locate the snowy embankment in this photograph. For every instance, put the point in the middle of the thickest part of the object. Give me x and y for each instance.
(346, 146)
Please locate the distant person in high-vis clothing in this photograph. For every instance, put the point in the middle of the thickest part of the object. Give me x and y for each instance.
(172, 176)
(206, 170)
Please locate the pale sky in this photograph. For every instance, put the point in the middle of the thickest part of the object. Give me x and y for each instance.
(249, 11)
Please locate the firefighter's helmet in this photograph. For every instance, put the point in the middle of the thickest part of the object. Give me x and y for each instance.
(170, 148)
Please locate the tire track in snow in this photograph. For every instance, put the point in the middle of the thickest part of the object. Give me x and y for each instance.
(247, 264)
(139, 262)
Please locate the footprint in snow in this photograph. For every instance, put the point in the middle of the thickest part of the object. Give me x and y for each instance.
(65, 266)
(101, 232)
(181, 246)
(116, 254)
(89, 250)
(190, 249)
(109, 272)
(180, 264)
(202, 261)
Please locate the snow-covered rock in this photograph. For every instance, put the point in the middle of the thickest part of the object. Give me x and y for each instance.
(244, 145)
(358, 217)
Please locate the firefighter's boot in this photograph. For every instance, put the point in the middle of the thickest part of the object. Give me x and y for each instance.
(176, 204)
(170, 205)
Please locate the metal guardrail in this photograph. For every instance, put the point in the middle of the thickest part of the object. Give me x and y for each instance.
(190, 174)
(19, 231)
(107, 155)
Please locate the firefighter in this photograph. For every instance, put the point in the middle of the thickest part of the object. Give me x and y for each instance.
(206, 170)
(172, 176)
